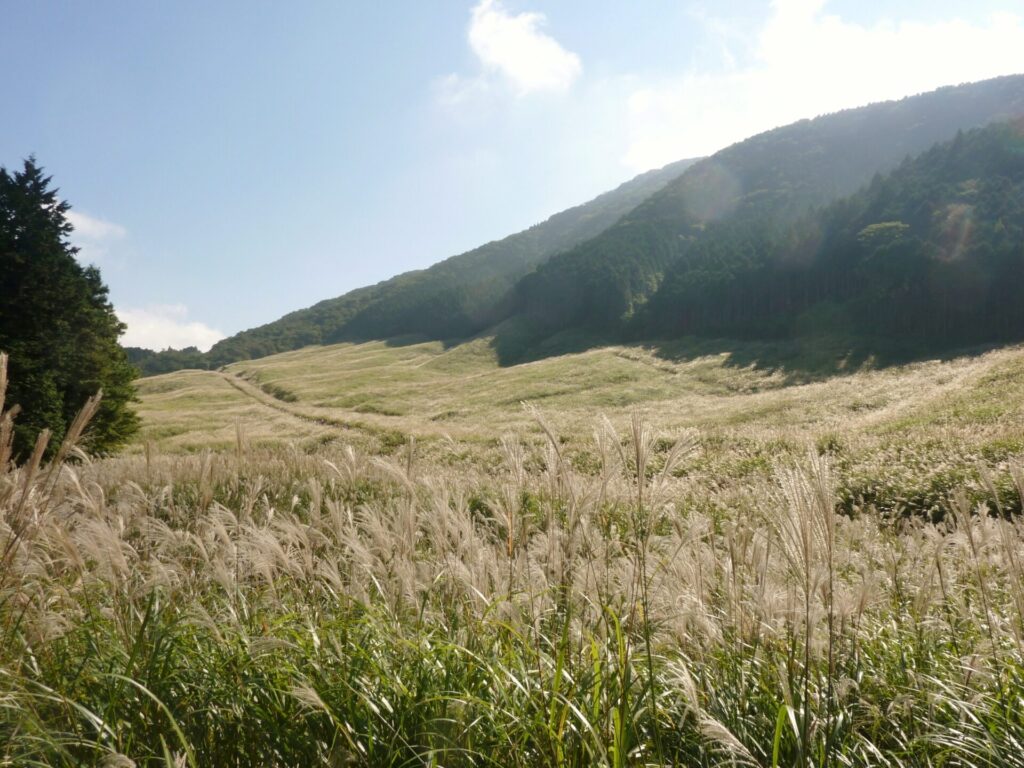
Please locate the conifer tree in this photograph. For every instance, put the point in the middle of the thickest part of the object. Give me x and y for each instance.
(56, 321)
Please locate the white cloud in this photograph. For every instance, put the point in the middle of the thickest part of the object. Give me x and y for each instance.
(453, 90)
(806, 62)
(156, 326)
(93, 236)
(512, 47)
(165, 325)
(91, 228)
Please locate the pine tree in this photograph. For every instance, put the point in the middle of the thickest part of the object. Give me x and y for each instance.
(56, 321)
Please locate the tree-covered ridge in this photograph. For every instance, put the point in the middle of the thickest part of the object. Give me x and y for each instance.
(597, 271)
(767, 180)
(455, 298)
(56, 323)
(167, 360)
(932, 254)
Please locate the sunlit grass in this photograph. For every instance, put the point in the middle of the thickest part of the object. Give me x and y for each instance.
(827, 573)
(900, 436)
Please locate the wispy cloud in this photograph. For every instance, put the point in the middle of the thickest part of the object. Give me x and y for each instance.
(160, 326)
(807, 62)
(512, 48)
(156, 326)
(93, 236)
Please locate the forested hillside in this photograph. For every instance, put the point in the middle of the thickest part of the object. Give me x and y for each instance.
(766, 181)
(931, 253)
(675, 251)
(455, 298)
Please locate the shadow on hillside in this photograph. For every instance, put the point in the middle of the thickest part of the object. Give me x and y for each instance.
(514, 349)
(405, 340)
(808, 359)
(798, 360)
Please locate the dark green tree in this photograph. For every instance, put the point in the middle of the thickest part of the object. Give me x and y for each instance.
(56, 321)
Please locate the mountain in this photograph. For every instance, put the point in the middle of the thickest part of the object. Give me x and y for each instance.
(599, 285)
(644, 260)
(931, 254)
(455, 298)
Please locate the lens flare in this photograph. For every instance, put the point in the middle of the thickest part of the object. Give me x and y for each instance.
(956, 228)
(1015, 142)
(715, 193)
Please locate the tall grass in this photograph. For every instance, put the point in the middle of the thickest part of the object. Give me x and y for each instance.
(277, 608)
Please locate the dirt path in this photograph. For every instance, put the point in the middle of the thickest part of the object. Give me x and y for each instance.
(268, 401)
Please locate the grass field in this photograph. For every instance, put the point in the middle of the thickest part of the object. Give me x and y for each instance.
(377, 555)
(905, 433)
(428, 391)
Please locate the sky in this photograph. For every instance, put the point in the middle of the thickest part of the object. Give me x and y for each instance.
(229, 162)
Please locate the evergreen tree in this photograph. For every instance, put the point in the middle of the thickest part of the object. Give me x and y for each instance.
(56, 321)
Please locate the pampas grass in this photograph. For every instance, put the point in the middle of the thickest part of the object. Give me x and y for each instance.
(281, 608)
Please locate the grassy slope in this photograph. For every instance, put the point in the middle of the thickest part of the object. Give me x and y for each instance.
(269, 607)
(429, 391)
(192, 409)
(276, 608)
(949, 414)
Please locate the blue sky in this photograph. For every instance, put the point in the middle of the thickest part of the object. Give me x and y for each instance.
(229, 162)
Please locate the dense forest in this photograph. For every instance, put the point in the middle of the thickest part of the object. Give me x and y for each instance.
(728, 199)
(932, 253)
(689, 248)
(152, 362)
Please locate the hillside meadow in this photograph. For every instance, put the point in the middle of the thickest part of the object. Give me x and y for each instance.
(379, 555)
(902, 436)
